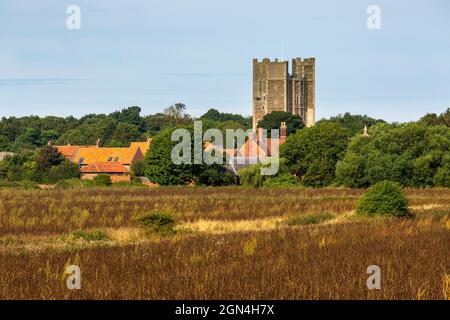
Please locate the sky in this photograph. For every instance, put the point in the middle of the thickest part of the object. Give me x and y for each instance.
(199, 52)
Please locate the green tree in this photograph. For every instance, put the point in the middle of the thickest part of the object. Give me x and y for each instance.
(125, 133)
(159, 166)
(411, 154)
(4, 143)
(215, 115)
(216, 175)
(312, 153)
(355, 123)
(48, 157)
(63, 171)
(385, 198)
(138, 168)
(177, 112)
(102, 180)
(273, 121)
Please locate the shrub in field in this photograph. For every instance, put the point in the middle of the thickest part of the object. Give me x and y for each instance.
(63, 185)
(9, 184)
(157, 222)
(65, 170)
(216, 176)
(251, 176)
(309, 219)
(102, 180)
(282, 181)
(138, 168)
(27, 184)
(385, 198)
(94, 235)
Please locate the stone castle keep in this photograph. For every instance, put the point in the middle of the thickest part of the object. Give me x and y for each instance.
(274, 89)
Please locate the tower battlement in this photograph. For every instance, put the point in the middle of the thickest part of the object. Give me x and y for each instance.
(275, 89)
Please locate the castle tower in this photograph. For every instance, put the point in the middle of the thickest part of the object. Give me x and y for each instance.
(274, 89)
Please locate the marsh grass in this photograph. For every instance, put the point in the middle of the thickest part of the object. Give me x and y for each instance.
(92, 235)
(233, 243)
(309, 219)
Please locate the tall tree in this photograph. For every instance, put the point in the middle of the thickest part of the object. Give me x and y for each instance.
(273, 121)
(312, 153)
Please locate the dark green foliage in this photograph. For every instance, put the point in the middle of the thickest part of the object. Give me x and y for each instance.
(5, 144)
(159, 166)
(251, 176)
(157, 222)
(27, 184)
(138, 168)
(65, 170)
(412, 154)
(216, 176)
(9, 184)
(215, 115)
(312, 153)
(102, 180)
(47, 157)
(63, 184)
(285, 180)
(354, 123)
(309, 219)
(273, 121)
(383, 198)
(431, 119)
(93, 235)
(18, 167)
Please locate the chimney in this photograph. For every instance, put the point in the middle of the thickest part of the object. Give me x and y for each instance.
(283, 132)
(260, 135)
(98, 143)
(50, 143)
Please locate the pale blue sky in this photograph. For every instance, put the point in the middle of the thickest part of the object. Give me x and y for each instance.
(199, 52)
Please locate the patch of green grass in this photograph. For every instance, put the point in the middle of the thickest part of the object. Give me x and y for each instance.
(309, 219)
(93, 235)
(10, 241)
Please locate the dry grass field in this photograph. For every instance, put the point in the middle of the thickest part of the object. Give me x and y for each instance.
(231, 243)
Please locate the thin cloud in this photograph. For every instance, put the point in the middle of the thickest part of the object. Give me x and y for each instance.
(19, 82)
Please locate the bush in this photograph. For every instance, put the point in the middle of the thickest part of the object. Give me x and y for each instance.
(9, 184)
(65, 170)
(216, 176)
(385, 198)
(94, 235)
(309, 219)
(157, 222)
(27, 184)
(63, 185)
(102, 180)
(251, 176)
(138, 168)
(282, 181)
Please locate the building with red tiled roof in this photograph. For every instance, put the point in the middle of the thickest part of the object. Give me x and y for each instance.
(114, 161)
(115, 170)
(257, 149)
(68, 151)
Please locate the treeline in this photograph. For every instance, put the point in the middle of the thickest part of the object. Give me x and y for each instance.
(116, 129)
(33, 161)
(332, 153)
(336, 153)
